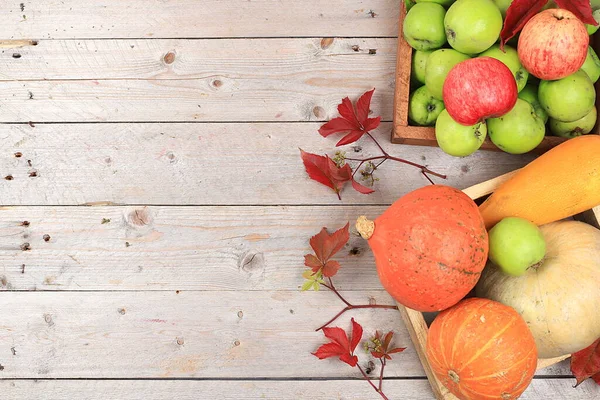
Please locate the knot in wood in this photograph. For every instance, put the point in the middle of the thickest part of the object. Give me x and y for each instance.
(169, 58)
(139, 217)
(251, 261)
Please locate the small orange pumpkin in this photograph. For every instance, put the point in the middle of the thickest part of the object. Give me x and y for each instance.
(430, 247)
(482, 349)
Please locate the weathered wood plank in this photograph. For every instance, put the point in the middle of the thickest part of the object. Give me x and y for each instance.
(229, 98)
(206, 164)
(39, 19)
(173, 248)
(413, 389)
(237, 334)
(339, 62)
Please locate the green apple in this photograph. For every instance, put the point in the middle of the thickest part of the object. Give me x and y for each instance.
(595, 4)
(409, 4)
(473, 26)
(516, 245)
(529, 94)
(456, 139)
(423, 108)
(423, 26)
(591, 66)
(576, 128)
(519, 131)
(503, 6)
(550, 4)
(591, 29)
(439, 63)
(510, 58)
(419, 62)
(569, 98)
(445, 3)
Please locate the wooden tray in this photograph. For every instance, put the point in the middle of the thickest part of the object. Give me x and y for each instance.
(404, 133)
(415, 322)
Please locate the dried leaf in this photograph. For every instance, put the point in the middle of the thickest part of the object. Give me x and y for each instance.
(517, 15)
(581, 8)
(326, 246)
(586, 363)
(341, 345)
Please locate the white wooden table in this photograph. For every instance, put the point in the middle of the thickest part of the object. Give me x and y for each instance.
(156, 211)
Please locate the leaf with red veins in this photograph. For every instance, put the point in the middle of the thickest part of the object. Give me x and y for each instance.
(581, 8)
(517, 15)
(586, 363)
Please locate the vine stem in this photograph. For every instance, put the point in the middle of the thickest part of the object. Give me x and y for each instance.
(349, 306)
(377, 389)
(386, 156)
(381, 373)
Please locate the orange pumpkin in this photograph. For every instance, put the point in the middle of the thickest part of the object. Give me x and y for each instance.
(481, 349)
(430, 247)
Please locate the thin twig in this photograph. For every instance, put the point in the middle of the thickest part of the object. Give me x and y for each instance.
(382, 359)
(428, 178)
(353, 307)
(378, 390)
(334, 290)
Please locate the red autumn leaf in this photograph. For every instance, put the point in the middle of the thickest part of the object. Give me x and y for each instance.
(353, 122)
(581, 8)
(326, 246)
(361, 188)
(586, 363)
(381, 348)
(341, 345)
(517, 15)
(323, 170)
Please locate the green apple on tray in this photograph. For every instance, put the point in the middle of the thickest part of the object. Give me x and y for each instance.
(468, 86)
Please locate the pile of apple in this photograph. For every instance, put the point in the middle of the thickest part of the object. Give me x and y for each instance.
(468, 87)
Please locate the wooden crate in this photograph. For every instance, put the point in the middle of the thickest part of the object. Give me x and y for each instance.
(404, 133)
(415, 322)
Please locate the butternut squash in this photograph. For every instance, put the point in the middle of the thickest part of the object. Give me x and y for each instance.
(560, 183)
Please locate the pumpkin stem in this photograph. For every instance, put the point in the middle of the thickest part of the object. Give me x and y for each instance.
(365, 227)
(454, 376)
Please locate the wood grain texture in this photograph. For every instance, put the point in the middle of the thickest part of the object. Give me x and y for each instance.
(174, 248)
(206, 164)
(233, 99)
(413, 389)
(41, 19)
(240, 334)
(319, 62)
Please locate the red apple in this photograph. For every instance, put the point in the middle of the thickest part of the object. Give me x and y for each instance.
(553, 44)
(479, 88)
